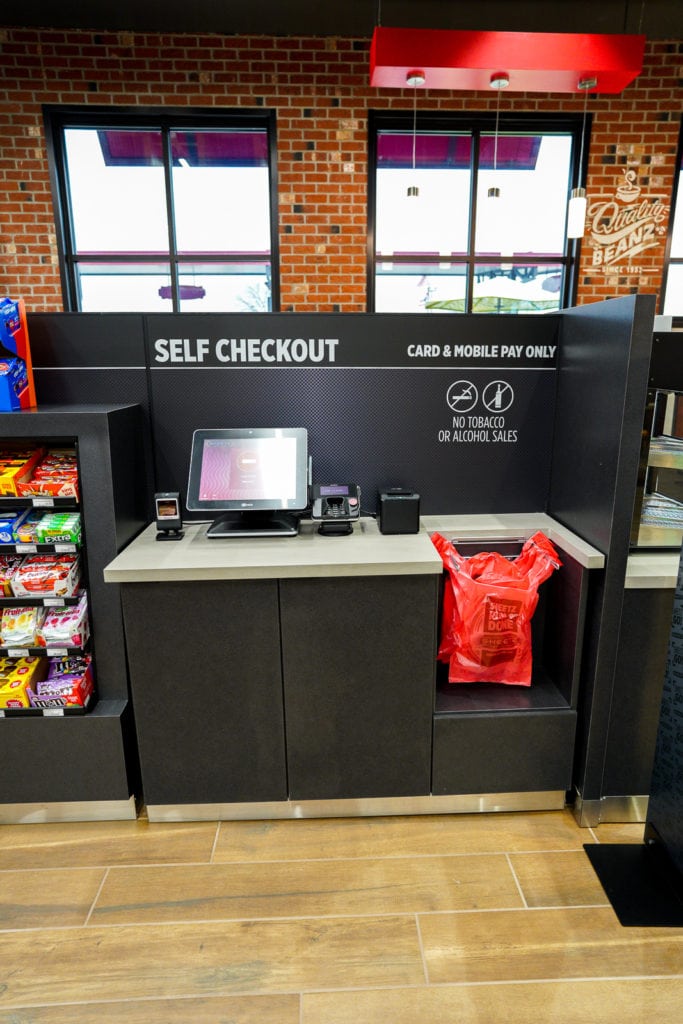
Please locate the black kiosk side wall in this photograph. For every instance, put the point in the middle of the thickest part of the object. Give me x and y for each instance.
(665, 810)
(645, 622)
(602, 389)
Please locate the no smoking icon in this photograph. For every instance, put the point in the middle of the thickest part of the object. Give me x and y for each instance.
(462, 396)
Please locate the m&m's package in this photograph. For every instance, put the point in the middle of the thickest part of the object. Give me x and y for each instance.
(69, 684)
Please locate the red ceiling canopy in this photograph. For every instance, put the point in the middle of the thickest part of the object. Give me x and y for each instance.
(533, 61)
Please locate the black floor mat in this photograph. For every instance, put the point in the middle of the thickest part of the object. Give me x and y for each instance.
(641, 883)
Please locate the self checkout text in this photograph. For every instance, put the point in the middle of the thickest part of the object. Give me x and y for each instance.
(278, 351)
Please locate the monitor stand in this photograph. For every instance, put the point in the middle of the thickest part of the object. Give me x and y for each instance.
(254, 524)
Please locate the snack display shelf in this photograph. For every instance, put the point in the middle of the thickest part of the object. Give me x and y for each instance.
(40, 602)
(53, 651)
(660, 536)
(58, 548)
(666, 453)
(55, 712)
(665, 459)
(77, 760)
(38, 501)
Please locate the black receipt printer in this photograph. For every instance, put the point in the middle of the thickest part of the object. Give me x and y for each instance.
(399, 511)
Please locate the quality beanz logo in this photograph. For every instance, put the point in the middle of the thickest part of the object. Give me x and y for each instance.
(626, 225)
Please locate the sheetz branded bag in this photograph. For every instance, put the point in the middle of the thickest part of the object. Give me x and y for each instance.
(488, 604)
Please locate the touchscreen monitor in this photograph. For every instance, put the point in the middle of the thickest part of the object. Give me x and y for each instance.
(256, 476)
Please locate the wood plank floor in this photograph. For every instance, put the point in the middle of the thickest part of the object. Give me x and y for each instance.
(416, 920)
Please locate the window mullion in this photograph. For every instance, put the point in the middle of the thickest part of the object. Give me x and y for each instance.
(474, 185)
(170, 213)
(70, 278)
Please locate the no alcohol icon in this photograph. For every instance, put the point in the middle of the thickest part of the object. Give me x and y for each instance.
(498, 396)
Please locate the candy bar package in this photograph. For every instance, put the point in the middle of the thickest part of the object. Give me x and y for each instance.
(9, 522)
(73, 692)
(47, 576)
(9, 665)
(66, 627)
(25, 531)
(17, 677)
(55, 467)
(20, 627)
(8, 566)
(71, 665)
(31, 667)
(69, 684)
(56, 474)
(15, 694)
(17, 390)
(59, 527)
(16, 467)
(50, 486)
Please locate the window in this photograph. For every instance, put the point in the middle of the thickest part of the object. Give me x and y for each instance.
(453, 247)
(672, 288)
(169, 212)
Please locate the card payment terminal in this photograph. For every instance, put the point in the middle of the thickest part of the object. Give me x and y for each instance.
(335, 507)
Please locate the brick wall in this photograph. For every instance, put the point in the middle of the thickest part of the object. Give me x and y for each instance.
(319, 90)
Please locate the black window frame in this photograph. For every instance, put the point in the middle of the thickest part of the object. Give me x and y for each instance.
(478, 123)
(57, 119)
(676, 198)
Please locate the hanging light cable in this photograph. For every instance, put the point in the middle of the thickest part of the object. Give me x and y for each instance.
(576, 211)
(499, 81)
(414, 79)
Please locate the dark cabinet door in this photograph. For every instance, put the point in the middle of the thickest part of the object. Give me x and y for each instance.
(516, 752)
(359, 658)
(207, 690)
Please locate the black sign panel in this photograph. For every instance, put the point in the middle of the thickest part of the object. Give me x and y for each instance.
(458, 409)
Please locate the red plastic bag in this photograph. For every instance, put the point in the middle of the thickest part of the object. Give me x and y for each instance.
(488, 604)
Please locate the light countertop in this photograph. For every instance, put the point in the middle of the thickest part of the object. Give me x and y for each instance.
(366, 552)
(515, 525)
(647, 570)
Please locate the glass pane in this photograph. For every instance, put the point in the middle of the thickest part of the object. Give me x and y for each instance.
(223, 288)
(117, 205)
(435, 221)
(529, 216)
(412, 288)
(673, 299)
(677, 233)
(521, 288)
(220, 206)
(124, 288)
